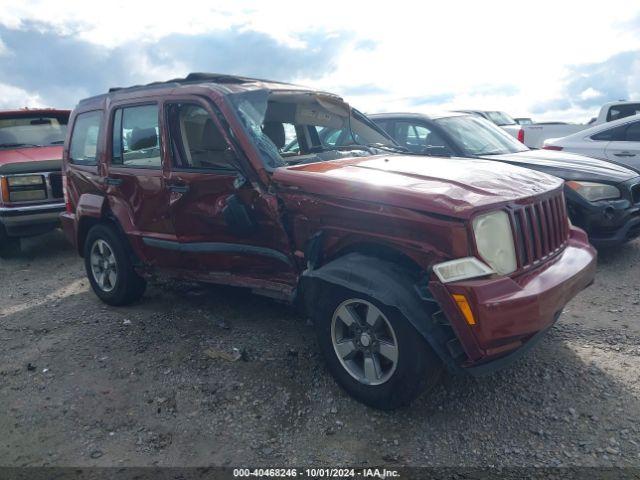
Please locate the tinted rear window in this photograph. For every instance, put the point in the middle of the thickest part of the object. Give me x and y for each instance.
(622, 111)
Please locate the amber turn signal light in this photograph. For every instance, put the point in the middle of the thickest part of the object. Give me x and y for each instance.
(464, 307)
(4, 189)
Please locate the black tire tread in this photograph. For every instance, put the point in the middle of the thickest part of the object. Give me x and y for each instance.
(419, 368)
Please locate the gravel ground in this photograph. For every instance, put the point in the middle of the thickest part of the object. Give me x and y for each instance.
(85, 384)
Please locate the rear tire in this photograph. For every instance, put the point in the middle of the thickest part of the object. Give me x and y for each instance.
(109, 267)
(377, 383)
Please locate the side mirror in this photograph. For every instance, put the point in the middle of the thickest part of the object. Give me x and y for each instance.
(438, 150)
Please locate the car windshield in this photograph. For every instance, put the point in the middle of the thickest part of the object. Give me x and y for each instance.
(501, 118)
(476, 136)
(291, 127)
(26, 130)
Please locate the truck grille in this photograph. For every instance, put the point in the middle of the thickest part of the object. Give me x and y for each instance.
(55, 182)
(541, 229)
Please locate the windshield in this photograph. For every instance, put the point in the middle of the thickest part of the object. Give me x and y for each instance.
(290, 127)
(501, 118)
(32, 130)
(476, 136)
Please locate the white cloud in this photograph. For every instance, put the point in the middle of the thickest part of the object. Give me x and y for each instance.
(13, 97)
(590, 93)
(421, 48)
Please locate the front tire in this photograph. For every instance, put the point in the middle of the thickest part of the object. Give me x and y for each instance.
(372, 350)
(110, 269)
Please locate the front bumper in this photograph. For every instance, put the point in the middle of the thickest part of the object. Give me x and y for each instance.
(608, 223)
(30, 220)
(510, 312)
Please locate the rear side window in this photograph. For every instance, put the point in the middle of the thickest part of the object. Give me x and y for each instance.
(136, 140)
(83, 149)
(611, 134)
(632, 133)
(622, 111)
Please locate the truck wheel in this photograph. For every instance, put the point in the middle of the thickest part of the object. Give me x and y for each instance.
(8, 245)
(373, 351)
(109, 267)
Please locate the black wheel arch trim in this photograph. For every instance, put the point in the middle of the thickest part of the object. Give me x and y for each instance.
(370, 276)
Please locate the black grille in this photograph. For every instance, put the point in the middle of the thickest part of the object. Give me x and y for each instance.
(541, 229)
(55, 181)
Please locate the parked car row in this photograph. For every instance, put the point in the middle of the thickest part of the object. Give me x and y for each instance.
(534, 134)
(415, 243)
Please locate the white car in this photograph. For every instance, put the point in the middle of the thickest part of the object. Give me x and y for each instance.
(535, 134)
(618, 141)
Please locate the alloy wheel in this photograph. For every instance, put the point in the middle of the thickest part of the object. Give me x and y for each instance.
(364, 341)
(103, 265)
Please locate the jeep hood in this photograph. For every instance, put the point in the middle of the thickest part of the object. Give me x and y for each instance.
(568, 166)
(446, 186)
(31, 159)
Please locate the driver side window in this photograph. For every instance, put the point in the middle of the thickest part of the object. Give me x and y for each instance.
(196, 141)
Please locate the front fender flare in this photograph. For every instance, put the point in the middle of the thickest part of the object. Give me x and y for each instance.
(388, 283)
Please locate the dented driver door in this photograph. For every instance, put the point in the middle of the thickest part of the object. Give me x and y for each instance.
(227, 229)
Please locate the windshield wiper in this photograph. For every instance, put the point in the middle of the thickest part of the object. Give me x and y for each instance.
(339, 148)
(14, 145)
(389, 148)
(492, 152)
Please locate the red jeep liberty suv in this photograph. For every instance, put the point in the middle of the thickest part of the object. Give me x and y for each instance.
(405, 263)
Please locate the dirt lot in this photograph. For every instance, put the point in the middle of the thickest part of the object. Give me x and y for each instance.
(86, 384)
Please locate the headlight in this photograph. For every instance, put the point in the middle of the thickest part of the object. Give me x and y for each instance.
(461, 269)
(594, 191)
(494, 241)
(25, 180)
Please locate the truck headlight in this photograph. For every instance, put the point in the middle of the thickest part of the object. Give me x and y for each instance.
(461, 269)
(594, 191)
(494, 241)
(25, 180)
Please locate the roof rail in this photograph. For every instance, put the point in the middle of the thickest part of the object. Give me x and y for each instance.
(197, 77)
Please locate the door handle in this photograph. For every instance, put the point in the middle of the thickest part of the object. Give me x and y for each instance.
(179, 188)
(625, 154)
(113, 181)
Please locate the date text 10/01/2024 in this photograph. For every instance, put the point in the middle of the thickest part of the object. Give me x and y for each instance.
(316, 472)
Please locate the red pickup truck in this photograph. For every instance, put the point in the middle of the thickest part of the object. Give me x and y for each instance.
(404, 262)
(31, 193)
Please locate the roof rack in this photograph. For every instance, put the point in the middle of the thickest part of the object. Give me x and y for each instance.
(196, 77)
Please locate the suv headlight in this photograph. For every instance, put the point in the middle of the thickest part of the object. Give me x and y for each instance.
(25, 180)
(494, 241)
(594, 191)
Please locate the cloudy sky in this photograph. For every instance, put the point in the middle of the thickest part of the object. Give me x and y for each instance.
(547, 59)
